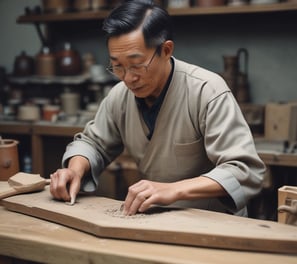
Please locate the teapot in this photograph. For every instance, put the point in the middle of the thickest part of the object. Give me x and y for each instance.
(23, 65)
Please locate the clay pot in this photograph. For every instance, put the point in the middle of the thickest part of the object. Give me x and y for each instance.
(56, 6)
(68, 61)
(50, 112)
(209, 3)
(45, 63)
(23, 65)
(9, 158)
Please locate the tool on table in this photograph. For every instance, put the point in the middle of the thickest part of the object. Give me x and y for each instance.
(22, 183)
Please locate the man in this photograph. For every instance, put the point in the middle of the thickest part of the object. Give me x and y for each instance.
(179, 122)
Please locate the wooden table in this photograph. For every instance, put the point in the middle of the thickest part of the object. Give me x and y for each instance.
(33, 239)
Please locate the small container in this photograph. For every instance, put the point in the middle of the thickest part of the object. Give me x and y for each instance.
(56, 6)
(70, 103)
(9, 158)
(68, 61)
(210, 3)
(23, 65)
(28, 113)
(50, 112)
(45, 63)
(178, 3)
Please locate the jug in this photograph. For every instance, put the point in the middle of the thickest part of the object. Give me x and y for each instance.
(9, 158)
(236, 78)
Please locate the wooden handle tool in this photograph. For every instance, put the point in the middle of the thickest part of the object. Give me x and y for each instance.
(22, 183)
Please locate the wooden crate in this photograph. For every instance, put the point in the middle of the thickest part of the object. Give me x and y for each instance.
(286, 195)
(281, 121)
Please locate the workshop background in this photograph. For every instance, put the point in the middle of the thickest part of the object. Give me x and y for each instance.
(42, 107)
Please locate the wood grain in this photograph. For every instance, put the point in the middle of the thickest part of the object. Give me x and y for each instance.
(102, 217)
(30, 238)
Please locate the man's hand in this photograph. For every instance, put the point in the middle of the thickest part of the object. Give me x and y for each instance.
(65, 184)
(143, 194)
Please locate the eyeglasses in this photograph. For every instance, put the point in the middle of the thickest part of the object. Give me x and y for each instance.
(138, 69)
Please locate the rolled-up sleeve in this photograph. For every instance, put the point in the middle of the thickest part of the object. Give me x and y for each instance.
(230, 146)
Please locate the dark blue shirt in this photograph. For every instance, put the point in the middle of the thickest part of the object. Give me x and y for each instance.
(150, 114)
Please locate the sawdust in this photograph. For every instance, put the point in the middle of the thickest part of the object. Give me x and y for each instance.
(118, 212)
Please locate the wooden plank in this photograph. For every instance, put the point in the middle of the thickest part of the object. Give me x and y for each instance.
(34, 239)
(102, 217)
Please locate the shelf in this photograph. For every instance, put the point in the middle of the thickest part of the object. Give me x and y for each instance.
(193, 11)
(78, 79)
(66, 80)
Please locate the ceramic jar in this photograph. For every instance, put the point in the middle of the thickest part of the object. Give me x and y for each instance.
(50, 112)
(23, 65)
(68, 61)
(9, 158)
(56, 6)
(70, 102)
(178, 3)
(209, 3)
(45, 63)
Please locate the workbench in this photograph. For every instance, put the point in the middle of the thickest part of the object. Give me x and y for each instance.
(29, 238)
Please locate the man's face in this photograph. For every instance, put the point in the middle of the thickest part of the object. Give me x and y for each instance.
(128, 51)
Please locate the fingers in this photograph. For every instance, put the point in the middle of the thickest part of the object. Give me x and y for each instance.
(64, 185)
(137, 198)
(74, 189)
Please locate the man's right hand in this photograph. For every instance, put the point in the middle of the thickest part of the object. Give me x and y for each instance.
(65, 183)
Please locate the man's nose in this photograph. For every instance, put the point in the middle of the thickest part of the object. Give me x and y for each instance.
(130, 76)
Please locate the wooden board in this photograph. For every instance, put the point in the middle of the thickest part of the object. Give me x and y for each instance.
(102, 217)
(30, 238)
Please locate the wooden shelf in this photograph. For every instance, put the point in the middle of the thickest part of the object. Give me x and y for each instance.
(193, 11)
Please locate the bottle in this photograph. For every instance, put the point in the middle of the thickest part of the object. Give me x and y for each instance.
(27, 163)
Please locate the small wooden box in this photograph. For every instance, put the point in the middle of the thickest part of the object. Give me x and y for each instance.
(286, 195)
(281, 121)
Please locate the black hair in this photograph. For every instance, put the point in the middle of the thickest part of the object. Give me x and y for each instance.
(130, 15)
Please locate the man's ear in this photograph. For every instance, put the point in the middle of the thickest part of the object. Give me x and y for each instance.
(167, 48)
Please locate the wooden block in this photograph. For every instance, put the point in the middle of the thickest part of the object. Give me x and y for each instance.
(286, 195)
(281, 121)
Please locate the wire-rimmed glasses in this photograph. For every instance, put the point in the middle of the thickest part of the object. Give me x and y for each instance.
(137, 69)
